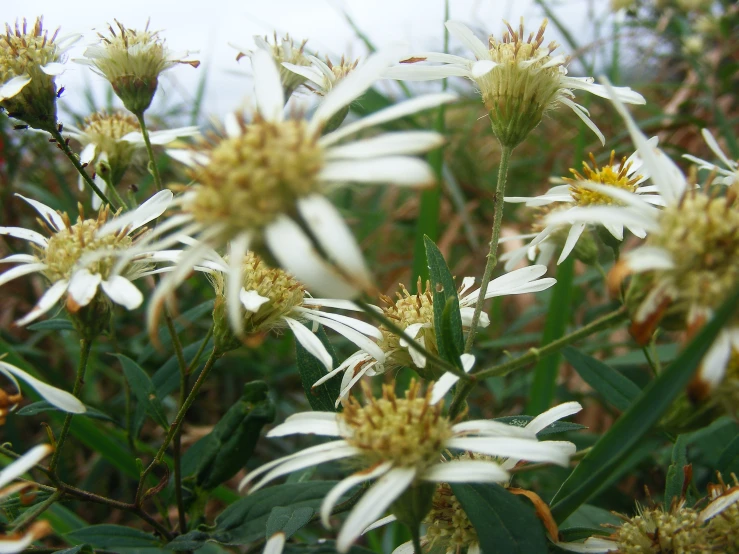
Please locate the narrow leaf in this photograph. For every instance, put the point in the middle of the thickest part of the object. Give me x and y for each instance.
(57, 324)
(43, 406)
(143, 389)
(112, 537)
(288, 519)
(675, 473)
(551, 429)
(323, 397)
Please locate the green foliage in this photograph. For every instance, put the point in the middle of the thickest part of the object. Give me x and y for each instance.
(323, 397)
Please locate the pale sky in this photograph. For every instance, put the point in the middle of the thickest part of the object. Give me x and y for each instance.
(208, 27)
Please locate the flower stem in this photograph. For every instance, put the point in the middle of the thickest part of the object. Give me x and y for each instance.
(85, 347)
(64, 147)
(150, 151)
(534, 354)
(505, 157)
(416, 536)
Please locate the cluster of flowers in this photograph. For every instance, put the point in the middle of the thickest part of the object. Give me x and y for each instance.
(256, 220)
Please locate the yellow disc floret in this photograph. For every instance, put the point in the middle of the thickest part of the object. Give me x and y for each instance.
(447, 524)
(409, 432)
(251, 179)
(106, 131)
(654, 531)
(610, 175)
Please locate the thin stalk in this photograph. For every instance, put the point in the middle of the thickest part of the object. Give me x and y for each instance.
(196, 359)
(175, 426)
(416, 537)
(85, 347)
(534, 354)
(412, 343)
(64, 147)
(150, 151)
(118, 197)
(505, 158)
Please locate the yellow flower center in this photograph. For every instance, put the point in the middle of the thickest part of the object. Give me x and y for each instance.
(447, 524)
(251, 179)
(654, 531)
(410, 431)
(607, 175)
(68, 246)
(106, 131)
(132, 55)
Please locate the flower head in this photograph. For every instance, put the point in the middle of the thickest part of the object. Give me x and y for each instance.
(112, 142)
(132, 61)
(78, 258)
(519, 78)
(29, 61)
(403, 443)
(283, 51)
(320, 77)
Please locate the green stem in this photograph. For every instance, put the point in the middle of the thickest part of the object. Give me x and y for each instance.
(416, 537)
(505, 157)
(64, 147)
(412, 343)
(175, 426)
(118, 197)
(196, 358)
(32, 513)
(150, 151)
(535, 354)
(85, 347)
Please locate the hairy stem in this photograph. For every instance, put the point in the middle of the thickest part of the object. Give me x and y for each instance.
(505, 157)
(150, 151)
(534, 354)
(85, 347)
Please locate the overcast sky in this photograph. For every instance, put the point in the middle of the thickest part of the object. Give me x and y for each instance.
(207, 26)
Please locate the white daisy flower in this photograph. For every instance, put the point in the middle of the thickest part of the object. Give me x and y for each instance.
(132, 61)
(448, 527)
(519, 79)
(582, 191)
(689, 258)
(263, 183)
(19, 542)
(320, 76)
(57, 397)
(402, 443)
(29, 61)
(414, 313)
(727, 175)
(113, 142)
(77, 259)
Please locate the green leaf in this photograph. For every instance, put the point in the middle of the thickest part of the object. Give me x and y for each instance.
(143, 389)
(675, 473)
(729, 461)
(43, 406)
(321, 398)
(227, 448)
(504, 523)
(552, 429)
(108, 536)
(558, 316)
(81, 549)
(104, 443)
(57, 324)
(591, 517)
(638, 420)
(323, 547)
(245, 520)
(444, 290)
(618, 390)
(288, 519)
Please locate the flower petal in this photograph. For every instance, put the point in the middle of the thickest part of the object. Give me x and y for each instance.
(20, 271)
(267, 87)
(82, 288)
(252, 300)
(463, 34)
(45, 303)
(466, 471)
(25, 234)
(59, 398)
(545, 419)
(51, 216)
(393, 170)
(24, 463)
(13, 86)
(121, 291)
(399, 143)
(308, 423)
(343, 486)
(556, 452)
(310, 342)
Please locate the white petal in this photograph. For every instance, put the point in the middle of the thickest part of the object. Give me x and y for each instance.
(719, 505)
(332, 303)
(716, 149)
(88, 153)
(545, 419)
(373, 504)
(267, 86)
(448, 380)
(103, 186)
(356, 324)
(599, 215)
(310, 342)
(51, 217)
(418, 359)
(237, 249)
(275, 544)
(399, 143)
(252, 300)
(13, 86)
(356, 337)
(297, 255)
(594, 545)
(308, 423)
(463, 34)
(466, 471)
(646, 258)
(20, 271)
(713, 366)
(231, 125)
(406, 548)
(347, 484)
(380, 523)
(19, 259)
(396, 111)
(624, 94)
(25, 234)
(394, 170)
(413, 72)
(82, 286)
(59, 398)
(24, 463)
(316, 77)
(45, 303)
(482, 68)
(13, 546)
(53, 68)
(580, 112)
(335, 237)
(556, 452)
(149, 210)
(572, 237)
(488, 428)
(121, 291)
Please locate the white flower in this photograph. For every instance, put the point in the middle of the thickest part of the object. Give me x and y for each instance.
(323, 76)
(264, 182)
(728, 175)
(11, 544)
(401, 443)
(582, 191)
(57, 397)
(78, 258)
(112, 143)
(519, 79)
(415, 315)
